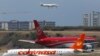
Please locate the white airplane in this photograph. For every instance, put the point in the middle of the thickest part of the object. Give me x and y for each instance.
(49, 5)
(76, 48)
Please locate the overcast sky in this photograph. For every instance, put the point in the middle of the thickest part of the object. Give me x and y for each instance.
(69, 12)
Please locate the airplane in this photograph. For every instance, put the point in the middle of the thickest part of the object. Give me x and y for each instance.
(49, 5)
(76, 48)
(42, 39)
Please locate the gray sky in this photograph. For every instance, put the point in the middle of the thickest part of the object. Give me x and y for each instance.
(69, 12)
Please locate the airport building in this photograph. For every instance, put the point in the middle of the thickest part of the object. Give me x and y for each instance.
(47, 24)
(96, 19)
(91, 19)
(86, 20)
(23, 25)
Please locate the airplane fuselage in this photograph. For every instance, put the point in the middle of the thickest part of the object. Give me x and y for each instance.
(56, 41)
(49, 5)
(53, 41)
(37, 52)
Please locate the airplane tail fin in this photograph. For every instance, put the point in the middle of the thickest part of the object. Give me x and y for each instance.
(39, 31)
(79, 43)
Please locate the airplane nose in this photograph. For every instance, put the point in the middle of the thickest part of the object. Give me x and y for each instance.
(41, 4)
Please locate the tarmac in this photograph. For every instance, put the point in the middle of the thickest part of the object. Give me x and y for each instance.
(1, 54)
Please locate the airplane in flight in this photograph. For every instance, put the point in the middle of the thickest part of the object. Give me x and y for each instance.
(77, 47)
(49, 5)
(42, 39)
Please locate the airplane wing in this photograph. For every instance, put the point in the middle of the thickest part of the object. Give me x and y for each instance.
(29, 41)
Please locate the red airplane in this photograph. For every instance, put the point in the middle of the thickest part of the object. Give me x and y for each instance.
(42, 39)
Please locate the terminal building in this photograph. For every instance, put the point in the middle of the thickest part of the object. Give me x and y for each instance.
(91, 19)
(47, 24)
(23, 25)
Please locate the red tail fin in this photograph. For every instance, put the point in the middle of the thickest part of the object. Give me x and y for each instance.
(79, 43)
(39, 32)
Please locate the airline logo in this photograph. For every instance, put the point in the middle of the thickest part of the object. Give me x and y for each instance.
(39, 31)
(37, 52)
(79, 43)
